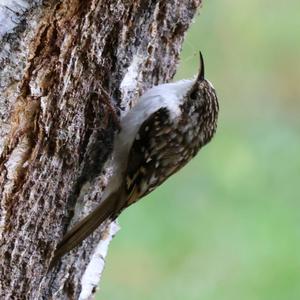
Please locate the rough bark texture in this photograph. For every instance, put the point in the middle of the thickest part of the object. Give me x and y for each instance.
(68, 69)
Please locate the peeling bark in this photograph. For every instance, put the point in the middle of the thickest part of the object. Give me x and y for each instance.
(68, 70)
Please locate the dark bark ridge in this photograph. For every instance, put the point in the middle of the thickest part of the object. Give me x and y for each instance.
(84, 63)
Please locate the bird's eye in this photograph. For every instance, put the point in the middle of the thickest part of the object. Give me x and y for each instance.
(194, 95)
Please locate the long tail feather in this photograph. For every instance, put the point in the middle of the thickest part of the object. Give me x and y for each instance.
(108, 208)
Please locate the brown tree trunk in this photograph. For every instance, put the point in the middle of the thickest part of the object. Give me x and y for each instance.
(68, 68)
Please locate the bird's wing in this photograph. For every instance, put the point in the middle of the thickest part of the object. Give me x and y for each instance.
(154, 156)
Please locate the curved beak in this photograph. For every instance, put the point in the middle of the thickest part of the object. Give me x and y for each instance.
(201, 70)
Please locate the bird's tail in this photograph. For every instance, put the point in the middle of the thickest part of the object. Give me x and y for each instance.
(109, 208)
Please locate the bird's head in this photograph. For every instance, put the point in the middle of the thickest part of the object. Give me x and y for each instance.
(201, 105)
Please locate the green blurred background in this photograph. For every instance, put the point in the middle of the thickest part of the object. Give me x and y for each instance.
(228, 225)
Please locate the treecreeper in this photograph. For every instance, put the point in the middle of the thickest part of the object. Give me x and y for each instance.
(159, 135)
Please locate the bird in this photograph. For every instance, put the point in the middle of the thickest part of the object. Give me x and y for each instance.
(166, 128)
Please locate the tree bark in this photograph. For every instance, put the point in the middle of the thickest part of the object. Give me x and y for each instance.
(69, 69)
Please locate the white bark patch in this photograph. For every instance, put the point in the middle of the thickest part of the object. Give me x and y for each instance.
(9, 12)
(131, 78)
(5, 129)
(92, 275)
(12, 166)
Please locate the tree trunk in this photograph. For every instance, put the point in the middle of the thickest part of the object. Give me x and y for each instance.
(68, 70)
